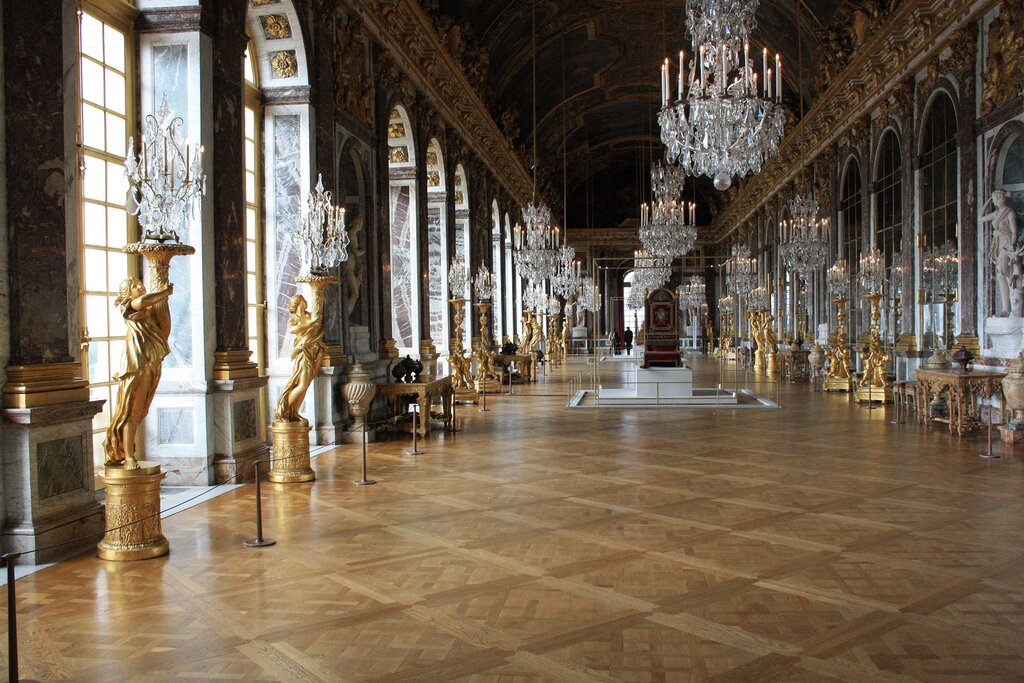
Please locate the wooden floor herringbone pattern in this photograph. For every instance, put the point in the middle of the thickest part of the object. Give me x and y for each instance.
(818, 542)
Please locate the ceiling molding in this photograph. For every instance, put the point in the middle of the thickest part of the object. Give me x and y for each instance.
(403, 28)
(918, 31)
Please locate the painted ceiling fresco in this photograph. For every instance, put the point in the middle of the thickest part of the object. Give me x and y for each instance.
(598, 85)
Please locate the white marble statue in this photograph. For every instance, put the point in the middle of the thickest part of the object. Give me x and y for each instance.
(1005, 255)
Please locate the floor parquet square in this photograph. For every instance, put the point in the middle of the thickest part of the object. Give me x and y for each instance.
(654, 579)
(644, 531)
(748, 556)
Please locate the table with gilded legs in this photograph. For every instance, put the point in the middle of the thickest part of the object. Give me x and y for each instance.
(425, 394)
(963, 389)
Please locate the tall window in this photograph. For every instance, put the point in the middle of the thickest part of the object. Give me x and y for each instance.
(939, 208)
(254, 292)
(103, 133)
(851, 218)
(889, 238)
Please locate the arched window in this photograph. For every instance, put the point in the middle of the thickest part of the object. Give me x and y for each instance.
(497, 312)
(939, 220)
(889, 222)
(404, 266)
(511, 304)
(851, 219)
(105, 118)
(462, 236)
(254, 285)
(437, 245)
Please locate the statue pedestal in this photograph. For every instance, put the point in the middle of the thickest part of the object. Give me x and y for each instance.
(838, 384)
(466, 395)
(873, 395)
(488, 386)
(290, 463)
(1005, 337)
(133, 529)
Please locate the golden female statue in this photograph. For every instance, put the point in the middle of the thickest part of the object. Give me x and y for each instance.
(148, 321)
(307, 357)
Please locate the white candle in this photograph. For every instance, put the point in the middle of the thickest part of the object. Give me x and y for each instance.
(724, 48)
(680, 75)
(768, 85)
(746, 66)
(764, 70)
(778, 77)
(702, 83)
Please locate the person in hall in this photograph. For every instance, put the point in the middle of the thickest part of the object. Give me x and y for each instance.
(613, 342)
(144, 351)
(627, 339)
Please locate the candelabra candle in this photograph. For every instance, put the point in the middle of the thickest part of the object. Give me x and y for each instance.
(165, 178)
(483, 284)
(457, 279)
(872, 271)
(838, 279)
(322, 232)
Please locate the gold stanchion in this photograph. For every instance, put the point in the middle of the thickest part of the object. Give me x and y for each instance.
(259, 541)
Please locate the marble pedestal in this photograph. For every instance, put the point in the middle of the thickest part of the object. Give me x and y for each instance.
(48, 493)
(664, 383)
(329, 409)
(1005, 337)
(239, 430)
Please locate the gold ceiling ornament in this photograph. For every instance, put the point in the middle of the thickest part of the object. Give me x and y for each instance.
(264, 3)
(964, 49)
(433, 179)
(1004, 68)
(354, 91)
(276, 26)
(399, 155)
(285, 64)
(396, 130)
(431, 158)
(899, 101)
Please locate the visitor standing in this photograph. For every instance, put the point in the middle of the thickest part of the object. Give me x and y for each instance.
(627, 337)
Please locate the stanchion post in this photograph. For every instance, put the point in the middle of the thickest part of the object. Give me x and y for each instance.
(415, 432)
(989, 455)
(483, 399)
(259, 541)
(510, 378)
(364, 481)
(12, 619)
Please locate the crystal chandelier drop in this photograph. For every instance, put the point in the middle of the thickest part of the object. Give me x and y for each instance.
(483, 283)
(804, 237)
(165, 177)
(458, 278)
(727, 119)
(741, 270)
(727, 304)
(322, 232)
(692, 293)
(534, 297)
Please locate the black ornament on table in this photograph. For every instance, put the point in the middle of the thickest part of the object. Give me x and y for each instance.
(963, 357)
(398, 370)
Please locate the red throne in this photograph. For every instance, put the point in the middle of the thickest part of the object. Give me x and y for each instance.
(661, 345)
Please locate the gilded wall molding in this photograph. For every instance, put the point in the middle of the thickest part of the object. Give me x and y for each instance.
(916, 32)
(408, 33)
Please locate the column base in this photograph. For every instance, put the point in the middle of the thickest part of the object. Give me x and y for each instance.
(290, 464)
(838, 384)
(133, 530)
(874, 395)
(237, 468)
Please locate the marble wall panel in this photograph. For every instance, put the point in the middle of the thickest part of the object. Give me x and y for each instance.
(402, 303)
(288, 212)
(175, 426)
(436, 277)
(60, 466)
(244, 418)
(170, 78)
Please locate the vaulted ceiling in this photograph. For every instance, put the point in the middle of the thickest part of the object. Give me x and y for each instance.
(598, 88)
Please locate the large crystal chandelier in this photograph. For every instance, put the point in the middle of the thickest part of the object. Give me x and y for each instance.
(650, 271)
(668, 226)
(165, 176)
(566, 279)
(322, 232)
(692, 293)
(741, 271)
(871, 272)
(804, 238)
(590, 297)
(725, 121)
(536, 253)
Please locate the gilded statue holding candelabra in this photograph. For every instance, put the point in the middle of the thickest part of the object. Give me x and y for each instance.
(487, 377)
(754, 320)
(459, 363)
(838, 377)
(308, 347)
(874, 385)
(771, 347)
(166, 182)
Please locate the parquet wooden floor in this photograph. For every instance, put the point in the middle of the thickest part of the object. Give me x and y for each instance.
(818, 542)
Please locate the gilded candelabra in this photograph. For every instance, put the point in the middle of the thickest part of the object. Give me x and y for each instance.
(460, 364)
(166, 182)
(324, 243)
(874, 385)
(838, 377)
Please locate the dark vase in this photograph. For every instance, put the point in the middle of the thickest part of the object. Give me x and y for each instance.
(398, 370)
(415, 368)
(407, 364)
(963, 357)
